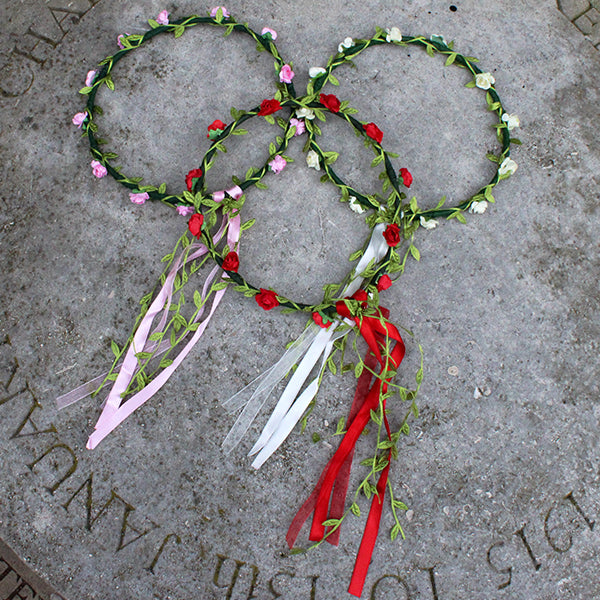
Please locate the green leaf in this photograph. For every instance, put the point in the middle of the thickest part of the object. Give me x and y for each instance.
(400, 505)
(247, 224)
(358, 369)
(451, 58)
(471, 84)
(340, 426)
(316, 437)
(415, 252)
(162, 188)
(396, 529)
(85, 90)
(165, 362)
(115, 348)
(333, 80)
(197, 299)
(154, 24)
(331, 522)
(376, 417)
(179, 30)
(355, 509)
(419, 376)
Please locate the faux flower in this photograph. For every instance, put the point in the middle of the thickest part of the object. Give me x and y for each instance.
(231, 262)
(347, 43)
(184, 211)
(189, 178)
(278, 164)
(406, 177)
(384, 283)
(299, 125)
(269, 33)
(373, 132)
(508, 167)
(484, 80)
(163, 17)
(89, 78)
(305, 113)
(213, 12)
(268, 107)
(215, 129)
(330, 101)
(318, 319)
(195, 224)
(312, 160)
(356, 206)
(119, 38)
(392, 235)
(512, 121)
(428, 223)
(478, 208)
(393, 35)
(286, 74)
(79, 118)
(98, 169)
(316, 71)
(139, 198)
(266, 299)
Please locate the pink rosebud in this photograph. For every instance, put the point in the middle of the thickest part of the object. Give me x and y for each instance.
(213, 12)
(300, 126)
(163, 17)
(268, 32)
(119, 38)
(184, 211)
(89, 78)
(79, 118)
(277, 164)
(236, 192)
(286, 74)
(138, 198)
(98, 169)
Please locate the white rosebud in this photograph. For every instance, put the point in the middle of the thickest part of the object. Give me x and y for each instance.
(512, 121)
(393, 35)
(347, 43)
(356, 206)
(484, 80)
(305, 113)
(428, 223)
(508, 167)
(312, 160)
(478, 208)
(316, 71)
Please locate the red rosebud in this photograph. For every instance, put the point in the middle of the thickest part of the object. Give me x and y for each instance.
(392, 235)
(216, 126)
(189, 178)
(267, 299)
(373, 132)
(231, 262)
(330, 101)
(318, 319)
(407, 178)
(268, 107)
(360, 295)
(195, 224)
(384, 283)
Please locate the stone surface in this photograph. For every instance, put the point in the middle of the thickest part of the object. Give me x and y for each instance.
(501, 471)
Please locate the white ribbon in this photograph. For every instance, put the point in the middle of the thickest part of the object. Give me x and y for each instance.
(312, 343)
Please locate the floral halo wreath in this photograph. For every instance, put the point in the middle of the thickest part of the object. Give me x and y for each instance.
(353, 305)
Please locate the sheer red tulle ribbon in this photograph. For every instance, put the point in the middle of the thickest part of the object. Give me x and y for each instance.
(328, 498)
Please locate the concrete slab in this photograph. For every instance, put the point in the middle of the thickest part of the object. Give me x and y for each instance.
(501, 471)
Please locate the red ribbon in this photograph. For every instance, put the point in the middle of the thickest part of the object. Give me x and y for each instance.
(376, 331)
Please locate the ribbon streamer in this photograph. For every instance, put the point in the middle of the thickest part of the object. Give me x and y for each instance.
(286, 413)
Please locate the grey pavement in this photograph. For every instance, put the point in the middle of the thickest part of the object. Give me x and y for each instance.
(501, 471)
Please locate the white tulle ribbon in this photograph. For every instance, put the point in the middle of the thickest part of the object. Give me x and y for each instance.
(313, 343)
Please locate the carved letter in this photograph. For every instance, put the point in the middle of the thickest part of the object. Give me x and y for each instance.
(161, 549)
(238, 565)
(555, 543)
(508, 570)
(68, 474)
(35, 405)
(114, 497)
(431, 572)
(521, 533)
(273, 591)
(397, 578)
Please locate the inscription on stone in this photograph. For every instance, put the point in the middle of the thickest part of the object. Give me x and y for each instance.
(31, 48)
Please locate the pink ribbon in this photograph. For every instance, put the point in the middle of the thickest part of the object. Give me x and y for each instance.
(114, 411)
